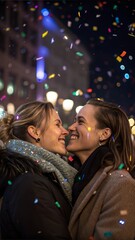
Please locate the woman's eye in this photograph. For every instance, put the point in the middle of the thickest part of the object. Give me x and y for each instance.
(80, 122)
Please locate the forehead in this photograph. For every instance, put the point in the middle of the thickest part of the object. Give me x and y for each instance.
(52, 118)
(54, 115)
(87, 112)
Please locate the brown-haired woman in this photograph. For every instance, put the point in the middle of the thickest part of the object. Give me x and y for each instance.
(103, 191)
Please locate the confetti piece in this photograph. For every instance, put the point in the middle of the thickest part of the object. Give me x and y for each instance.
(65, 37)
(71, 45)
(17, 117)
(115, 7)
(79, 54)
(123, 212)
(95, 28)
(121, 166)
(122, 222)
(122, 67)
(117, 19)
(79, 14)
(39, 58)
(123, 53)
(9, 182)
(35, 200)
(70, 158)
(65, 180)
(57, 204)
(3, 97)
(118, 58)
(51, 76)
(132, 35)
(126, 75)
(89, 90)
(102, 38)
(32, 9)
(69, 24)
(44, 34)
(52, 40)
(46, 86)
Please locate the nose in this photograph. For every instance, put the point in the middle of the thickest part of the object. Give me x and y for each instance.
(72, 127)
(64, 131)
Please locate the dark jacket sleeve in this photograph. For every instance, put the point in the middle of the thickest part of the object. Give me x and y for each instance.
(36, 212)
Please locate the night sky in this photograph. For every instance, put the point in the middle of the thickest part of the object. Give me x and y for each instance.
(107, 31)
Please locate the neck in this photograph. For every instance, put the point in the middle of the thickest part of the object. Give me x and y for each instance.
(83, 156)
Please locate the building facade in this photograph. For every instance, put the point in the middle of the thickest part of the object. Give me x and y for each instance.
(39, 54)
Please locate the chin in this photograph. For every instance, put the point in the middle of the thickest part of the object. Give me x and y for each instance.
(61, 151)
(70, 148)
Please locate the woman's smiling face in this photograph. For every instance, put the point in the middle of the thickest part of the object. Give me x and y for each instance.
(53, 137)
(84, 134)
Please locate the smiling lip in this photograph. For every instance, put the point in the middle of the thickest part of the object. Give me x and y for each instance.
(74, 137)
(62, 141)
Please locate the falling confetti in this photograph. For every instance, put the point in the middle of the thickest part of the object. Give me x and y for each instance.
(57, 204)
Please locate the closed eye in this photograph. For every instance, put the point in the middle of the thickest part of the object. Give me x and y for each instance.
(58, 125)
(80, 121)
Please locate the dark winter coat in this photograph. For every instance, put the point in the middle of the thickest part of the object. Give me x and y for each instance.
(36, 188)
(34, 207)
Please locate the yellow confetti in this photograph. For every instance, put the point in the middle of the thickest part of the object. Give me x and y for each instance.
(52, 76)
(114, 24)
(118, 58)
(132, 35)
(32, 9)
(95, 28)
(44, 34)
(78, 14)
(102, 38)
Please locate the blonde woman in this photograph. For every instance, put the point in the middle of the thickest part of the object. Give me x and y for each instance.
(35, 181)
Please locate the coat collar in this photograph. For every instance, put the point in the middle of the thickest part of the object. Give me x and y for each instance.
(87, 193)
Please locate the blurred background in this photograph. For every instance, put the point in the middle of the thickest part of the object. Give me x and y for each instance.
(67, 51)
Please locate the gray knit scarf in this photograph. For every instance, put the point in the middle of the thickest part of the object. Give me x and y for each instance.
(48, 161)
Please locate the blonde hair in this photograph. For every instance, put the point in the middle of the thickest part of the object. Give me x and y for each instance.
(32, 113)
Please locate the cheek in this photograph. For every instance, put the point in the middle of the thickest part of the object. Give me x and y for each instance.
(88, 135)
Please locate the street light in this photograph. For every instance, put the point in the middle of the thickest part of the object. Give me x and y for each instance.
(52, 96)
(11, 108)
(78, 109)
(67, 105)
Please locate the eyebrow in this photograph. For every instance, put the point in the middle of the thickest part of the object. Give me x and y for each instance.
(58, 120)
(79, 118)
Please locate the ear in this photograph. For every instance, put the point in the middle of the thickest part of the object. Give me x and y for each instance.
(105, 134)
(32, 131)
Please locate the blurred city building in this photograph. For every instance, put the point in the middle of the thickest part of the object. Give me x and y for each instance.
(39, 55)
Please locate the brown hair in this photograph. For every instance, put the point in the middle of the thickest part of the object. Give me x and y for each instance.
(120, 143)
(32, 113)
